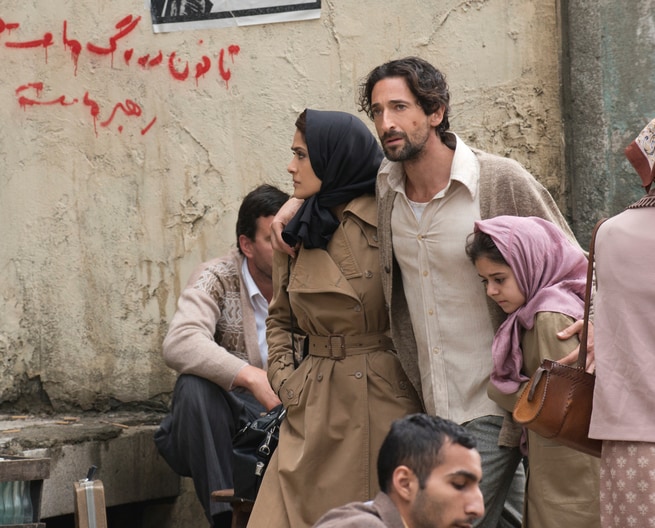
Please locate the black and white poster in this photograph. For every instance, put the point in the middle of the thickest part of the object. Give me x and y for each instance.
(177, 15)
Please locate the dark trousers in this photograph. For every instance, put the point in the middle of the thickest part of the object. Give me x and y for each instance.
(195, 439)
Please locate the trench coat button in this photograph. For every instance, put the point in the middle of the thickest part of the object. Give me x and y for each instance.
(290, 394)
(319, 377)
(358, 308)
(387, 269)
(403, 385)
(375, 238)
(368, 274)
(358, 375)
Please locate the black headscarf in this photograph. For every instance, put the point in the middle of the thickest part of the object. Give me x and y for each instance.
(345, 156)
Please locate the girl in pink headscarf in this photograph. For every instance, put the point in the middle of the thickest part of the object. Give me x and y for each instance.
(537, 276)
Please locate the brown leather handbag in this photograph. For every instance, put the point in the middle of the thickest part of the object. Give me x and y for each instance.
(556, 403)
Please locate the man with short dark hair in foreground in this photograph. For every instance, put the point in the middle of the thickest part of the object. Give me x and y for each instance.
(429, 472)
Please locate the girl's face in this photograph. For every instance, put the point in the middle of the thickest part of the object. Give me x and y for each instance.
(500, 284)
(305, 181)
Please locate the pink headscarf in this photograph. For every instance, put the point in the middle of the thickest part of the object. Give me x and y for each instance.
(551, 273)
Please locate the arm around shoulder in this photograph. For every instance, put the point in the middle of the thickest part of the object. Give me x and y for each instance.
(282, 218)
(541, 342)
(507, 188)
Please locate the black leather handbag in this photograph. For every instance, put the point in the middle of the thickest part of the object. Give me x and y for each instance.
(252, 448)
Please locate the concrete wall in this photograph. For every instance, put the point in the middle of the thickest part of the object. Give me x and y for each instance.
(609, 96)
(103, 219)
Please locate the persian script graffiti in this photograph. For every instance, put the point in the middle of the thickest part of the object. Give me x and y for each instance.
(30, 94)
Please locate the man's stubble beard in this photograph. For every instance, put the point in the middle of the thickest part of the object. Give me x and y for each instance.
(410, 151)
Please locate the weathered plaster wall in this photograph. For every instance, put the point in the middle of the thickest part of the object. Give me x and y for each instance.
(610, 98)
(102, 224)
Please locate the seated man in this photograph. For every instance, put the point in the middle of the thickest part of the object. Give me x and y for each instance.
(217, 342)
(429, 473)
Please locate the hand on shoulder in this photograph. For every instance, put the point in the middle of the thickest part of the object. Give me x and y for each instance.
(576, 328)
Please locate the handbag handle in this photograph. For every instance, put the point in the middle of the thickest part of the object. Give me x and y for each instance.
(582, 355)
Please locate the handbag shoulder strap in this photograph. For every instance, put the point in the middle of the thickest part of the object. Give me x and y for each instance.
(582, 356)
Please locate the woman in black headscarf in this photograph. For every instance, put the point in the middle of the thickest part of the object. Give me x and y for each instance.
(342, 397)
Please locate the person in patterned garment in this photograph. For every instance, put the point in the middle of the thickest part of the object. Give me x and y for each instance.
(217, 342)
(624, 393)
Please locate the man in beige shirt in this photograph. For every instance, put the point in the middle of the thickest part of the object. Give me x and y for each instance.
(431, 188)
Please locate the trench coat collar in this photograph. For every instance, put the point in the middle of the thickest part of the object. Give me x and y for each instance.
(366, 210)
(312, 272)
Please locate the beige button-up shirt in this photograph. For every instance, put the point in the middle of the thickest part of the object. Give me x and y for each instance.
(446, 300)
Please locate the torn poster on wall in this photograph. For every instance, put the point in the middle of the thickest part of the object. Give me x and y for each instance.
(177, 15)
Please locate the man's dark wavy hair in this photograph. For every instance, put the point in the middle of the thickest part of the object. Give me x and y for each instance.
(424, 81)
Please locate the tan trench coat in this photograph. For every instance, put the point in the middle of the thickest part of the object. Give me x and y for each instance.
(339, 410)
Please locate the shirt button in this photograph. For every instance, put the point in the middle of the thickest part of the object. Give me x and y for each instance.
(358, 375)
(425, 273)
(435, 350)
(419, 237)
(430, 312)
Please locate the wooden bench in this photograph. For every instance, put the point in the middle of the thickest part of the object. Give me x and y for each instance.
(241, 508)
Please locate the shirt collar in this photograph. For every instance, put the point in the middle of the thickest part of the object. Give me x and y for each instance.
(465, 169)
(249, 282)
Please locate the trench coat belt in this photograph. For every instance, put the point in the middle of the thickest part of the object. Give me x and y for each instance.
(338, 346)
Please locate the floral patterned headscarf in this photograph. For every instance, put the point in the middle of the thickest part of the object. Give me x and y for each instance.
(641, 154)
